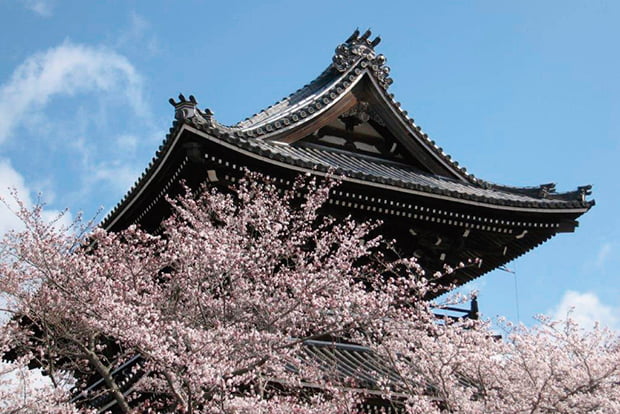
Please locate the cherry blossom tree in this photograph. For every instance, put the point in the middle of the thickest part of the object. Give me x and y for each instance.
(553, 367)
(218, 304)
(221, 300)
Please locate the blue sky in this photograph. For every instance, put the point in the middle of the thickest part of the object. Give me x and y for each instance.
(521, 93)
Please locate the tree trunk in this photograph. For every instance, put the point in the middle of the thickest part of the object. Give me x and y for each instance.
(109, 381)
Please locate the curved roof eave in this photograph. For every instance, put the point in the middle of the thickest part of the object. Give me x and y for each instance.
(245, 150)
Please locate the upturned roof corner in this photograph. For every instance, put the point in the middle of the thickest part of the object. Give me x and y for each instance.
(187, 110)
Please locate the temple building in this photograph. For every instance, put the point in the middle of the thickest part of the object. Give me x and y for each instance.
(347, 124)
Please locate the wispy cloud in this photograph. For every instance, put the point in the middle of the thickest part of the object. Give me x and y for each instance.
(10, 180)
(603, 254)
(43, 8)
(118, 176)
(137, 36)
(74, 101)
(69, 70)
(114, 172)
(586, 309)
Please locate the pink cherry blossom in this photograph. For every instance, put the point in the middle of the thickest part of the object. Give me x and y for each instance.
(219, 302)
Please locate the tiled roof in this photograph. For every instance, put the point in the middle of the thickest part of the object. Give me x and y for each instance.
(354, 51)
(381, 171)
(353, 60)
(287, 106)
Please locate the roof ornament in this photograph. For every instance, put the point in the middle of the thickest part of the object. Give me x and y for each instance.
(187, 110)
(580, 195)
(545, 190)
(584, 191)
(360, 48)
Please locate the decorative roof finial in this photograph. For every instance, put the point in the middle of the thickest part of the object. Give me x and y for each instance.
(184, 109)
(187, 110)
(366, 35)
(360, 48)
(544, 190)
(584, 191)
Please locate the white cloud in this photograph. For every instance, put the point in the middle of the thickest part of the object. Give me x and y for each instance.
(137, 37)
(118, 176)
(603, 254)
(586, 309)
(41, 7)
(127, 142)
(116, 173)
(11, 179)
(66, 70)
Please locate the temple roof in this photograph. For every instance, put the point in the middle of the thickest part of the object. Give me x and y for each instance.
(356, 81)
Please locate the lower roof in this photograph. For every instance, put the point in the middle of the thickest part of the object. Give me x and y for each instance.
(381, 171)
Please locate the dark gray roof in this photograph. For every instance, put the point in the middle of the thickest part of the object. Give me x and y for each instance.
(353, 60)
(381, 171)
(349, 61)
(290, 104)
